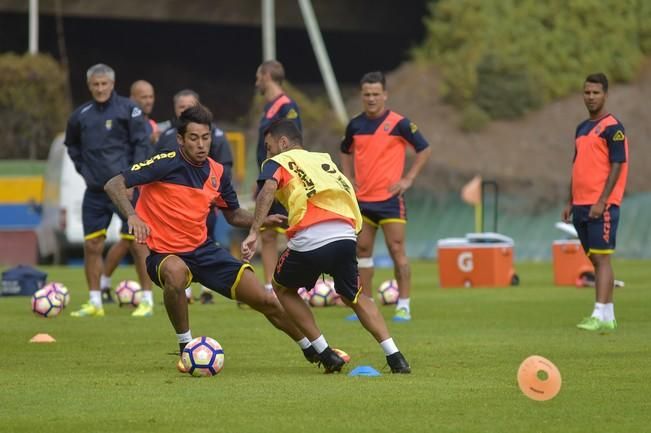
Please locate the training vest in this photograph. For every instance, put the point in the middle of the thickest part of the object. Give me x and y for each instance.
(317, 180)
(379, 160)
(592, 166)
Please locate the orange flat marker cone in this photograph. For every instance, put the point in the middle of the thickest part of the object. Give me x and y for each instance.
(42, 338)
(538, 378)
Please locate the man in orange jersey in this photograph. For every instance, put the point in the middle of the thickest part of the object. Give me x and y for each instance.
(598, 181)
(269, 82)
(178, 189)
(374, 150)
(323, 220)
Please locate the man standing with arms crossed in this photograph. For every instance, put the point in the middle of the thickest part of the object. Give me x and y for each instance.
(599, 173)
(104, 137)
(268, 81)
(374, 150)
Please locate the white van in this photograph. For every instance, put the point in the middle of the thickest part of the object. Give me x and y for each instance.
(60, 231)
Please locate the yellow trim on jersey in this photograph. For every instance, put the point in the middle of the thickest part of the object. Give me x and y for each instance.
(280, 285)
(370, 221)
(127, 237)
(95, 235)
(237, 279)
(393, 220)
(596, 251)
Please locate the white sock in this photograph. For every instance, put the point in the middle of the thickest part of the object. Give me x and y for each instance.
(403, 303)
(188, 292)
(389, 347)
(105, 282)
(184, 337)
(598, 311)
(609, 312)
(96, 298)
(304, 343)
(320, 344)
(148, 297)
(268, 287)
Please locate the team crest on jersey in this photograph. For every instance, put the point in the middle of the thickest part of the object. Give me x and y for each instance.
(108, 124)
(619, 136)
(597, 130)
(387, 126)
(213, 181)
(136, 112)
(413, 127)
(291, 114)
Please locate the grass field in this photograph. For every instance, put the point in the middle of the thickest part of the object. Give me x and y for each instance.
(116, 374)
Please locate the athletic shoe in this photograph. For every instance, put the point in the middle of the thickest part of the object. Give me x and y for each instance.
(144, 309)
(590, 324)
(311, 355)
(88, 310)
(106, 296)
(331, 362)
(608, 325)
(402, 315)
(398, 363)
(206, 298)
(181, 367)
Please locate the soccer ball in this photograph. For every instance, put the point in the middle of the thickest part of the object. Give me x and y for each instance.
(388, 293)
(128, 293)
(46, 303)
(323, 294)
(203, 356)
(59, 291)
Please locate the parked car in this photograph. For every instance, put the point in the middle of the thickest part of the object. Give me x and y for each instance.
(60, 232)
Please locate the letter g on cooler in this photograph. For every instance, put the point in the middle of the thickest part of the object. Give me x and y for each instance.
(465, 261)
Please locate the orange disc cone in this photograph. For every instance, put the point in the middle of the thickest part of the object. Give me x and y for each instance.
(538, 378)
(42, 338)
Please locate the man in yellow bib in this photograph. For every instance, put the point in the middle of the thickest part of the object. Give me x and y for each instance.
(324, 219)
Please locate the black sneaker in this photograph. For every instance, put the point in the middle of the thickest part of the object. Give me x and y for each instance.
(206, 298)
(106, 296)
(311, 355)
(331, 362)
(398, 363)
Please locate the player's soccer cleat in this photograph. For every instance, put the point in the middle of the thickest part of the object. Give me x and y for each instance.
(331, 362)
(402, 315)
(181, 367)
(608, 325)
(144, 309)
(88, 310)
(106, 296)
(594, 324)
(311, 355)
(206, 298)
(398, 363)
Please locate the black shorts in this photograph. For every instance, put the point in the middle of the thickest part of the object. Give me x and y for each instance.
(296, 269)
(210, 265)
(391, 210)
(597, 235)
(97, 210)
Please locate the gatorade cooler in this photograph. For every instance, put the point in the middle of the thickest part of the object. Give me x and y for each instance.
(569, 261)
(478, 260)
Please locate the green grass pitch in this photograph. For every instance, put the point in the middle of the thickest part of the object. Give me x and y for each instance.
(116, 374)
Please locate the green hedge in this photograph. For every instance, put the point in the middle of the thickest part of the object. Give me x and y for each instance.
(508, 56)
(33, 104)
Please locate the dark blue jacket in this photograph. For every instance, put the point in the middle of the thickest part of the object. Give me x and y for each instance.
(220, 148)
(105, 139)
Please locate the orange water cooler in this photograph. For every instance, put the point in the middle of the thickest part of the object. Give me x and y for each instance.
(478, 260)
(569, 262)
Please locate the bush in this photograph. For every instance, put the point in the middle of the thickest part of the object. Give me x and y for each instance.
(497, 53)
(473, 119)
(33, 104)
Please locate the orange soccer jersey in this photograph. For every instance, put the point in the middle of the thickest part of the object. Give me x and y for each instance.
(598, 143)
(176, 197)
(379, 147)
